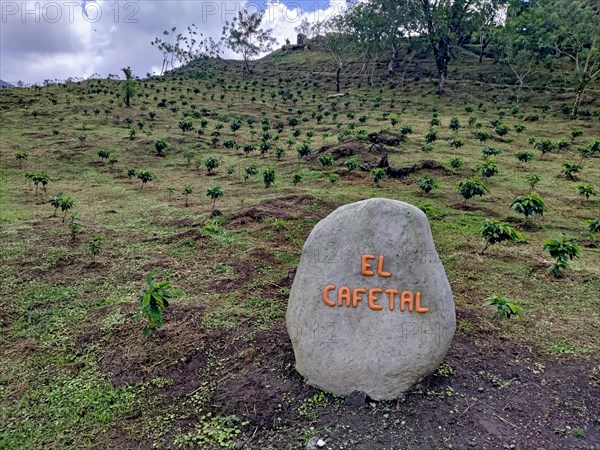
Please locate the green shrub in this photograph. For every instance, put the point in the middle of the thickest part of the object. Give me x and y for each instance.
(562, 250)
(488, 169)
(326, 160)
(378, 174)
(490, 151)
(545, 146)
(187, 190)
(529, 205)
(532, 179)
(351, 165)
(431, 135)
(456, 163)
(211, 163)
(454, 124)
(457, 143)
(482, 135)
(471, 187)
(427, 184)
(214, 193)
(505, 307)
(304, 149)
(494, 232)
(570, 170)
(587, 190)
(269, 177)
(145, 176)
(160, 146)
(524, 157)
(406, 130)
(153, 301)
(94, 246)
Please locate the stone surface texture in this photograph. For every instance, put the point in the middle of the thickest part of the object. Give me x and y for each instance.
(342, 349)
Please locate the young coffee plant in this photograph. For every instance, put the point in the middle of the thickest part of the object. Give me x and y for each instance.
(405, 130)
(457, 143)
(187, 190)
(160, 146)
(74, 226)
(570, 171)
(505, 307)
(21, 157)
(55, 202)
(186, 125)
(524, 157)
(587, 190)
(482, 135)
(94, 246)
(351, 165)
(456, 163)
(562, 250)
(153, 301)
(427, 184)
(297, 179)
(529, 205)
(490, 151)
(66, 203)
(488, 169)
(211, 163)
(104, 154)
(545, 146)
(304, 149)
(38, 178)
(249, 171)
(431, 135)
(145, 176)
(454, 124)
(326, 160)
(471, 187)
(378, 174)
(493, 232)
(269, 177)
(214, 193)
(532, 179)
(593, 226)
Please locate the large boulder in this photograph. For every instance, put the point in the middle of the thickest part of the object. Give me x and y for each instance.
(370, 308)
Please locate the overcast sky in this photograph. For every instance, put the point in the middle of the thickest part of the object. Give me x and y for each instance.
(42, 40)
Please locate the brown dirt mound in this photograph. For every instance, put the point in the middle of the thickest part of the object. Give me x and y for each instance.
(289, 207)
(174, 351)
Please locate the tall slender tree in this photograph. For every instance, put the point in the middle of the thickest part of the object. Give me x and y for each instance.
(244, 35)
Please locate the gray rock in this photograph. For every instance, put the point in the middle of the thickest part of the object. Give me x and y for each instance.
(342, 341)
(312, 443)
(356, 399)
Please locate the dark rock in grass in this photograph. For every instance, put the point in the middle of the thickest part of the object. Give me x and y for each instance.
(386, 138)
(356, 399)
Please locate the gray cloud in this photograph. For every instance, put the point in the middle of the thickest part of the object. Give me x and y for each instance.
(55, 40)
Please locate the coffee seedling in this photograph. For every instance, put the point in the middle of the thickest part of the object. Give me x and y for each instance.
(505, 307)
(562, 250)
(145, 176)
(187, 190)
(587, 190)
(427, 184)
(494, 232)
(529, 205)
(214, 193)
(269, 177)
(153, 301)
(94, 246)
(471, 187)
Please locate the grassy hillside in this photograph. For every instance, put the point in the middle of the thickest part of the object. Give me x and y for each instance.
(77, 372)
